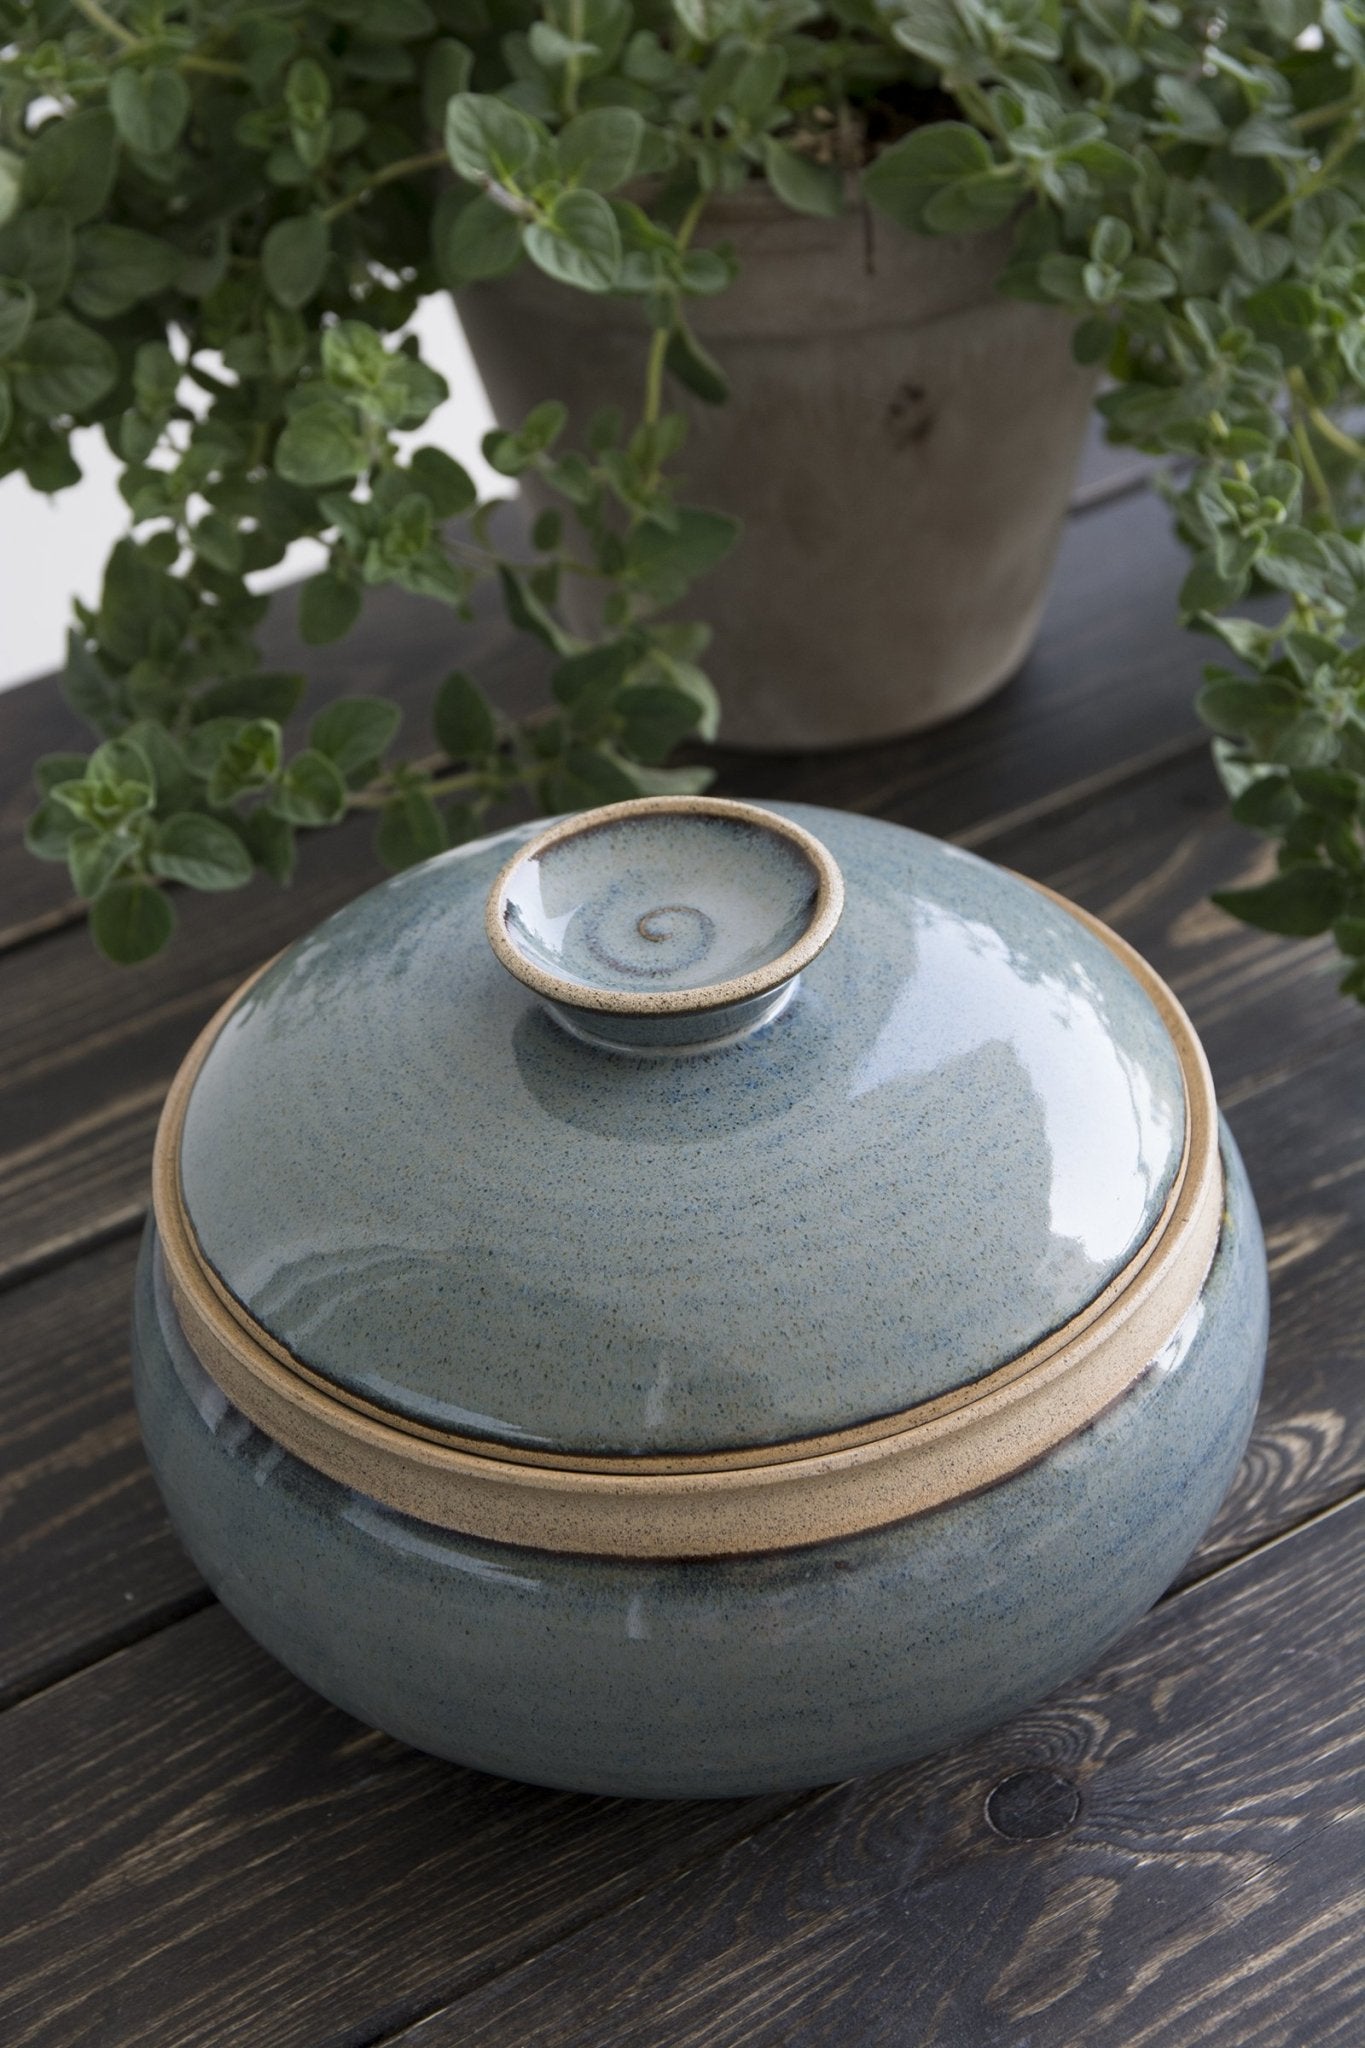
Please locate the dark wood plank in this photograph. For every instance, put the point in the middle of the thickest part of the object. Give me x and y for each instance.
(1302, 1134)
(87, 1558)
(1107, 471)
(1207, 1891)
(199, 1852)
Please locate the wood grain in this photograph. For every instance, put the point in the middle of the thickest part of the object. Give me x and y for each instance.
(1207, 1893)
(87, 1558)
(199, 1853)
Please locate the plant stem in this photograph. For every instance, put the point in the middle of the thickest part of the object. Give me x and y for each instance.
(212, 67)
(99, 17)
(1338, 436)
(658, 347)
(377, 795)
(405, 167)
(1322, 490)
(1341, 148)
(571, 68)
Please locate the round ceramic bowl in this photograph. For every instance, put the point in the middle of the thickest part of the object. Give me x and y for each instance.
(696, 1299)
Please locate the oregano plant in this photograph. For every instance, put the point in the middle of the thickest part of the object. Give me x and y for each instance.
(218, 218)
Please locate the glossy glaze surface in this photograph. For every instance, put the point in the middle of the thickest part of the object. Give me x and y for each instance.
(668, 900)
(719, 1677)
(961, 1128)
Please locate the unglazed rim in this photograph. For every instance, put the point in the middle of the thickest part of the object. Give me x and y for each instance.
(673, 1002)
(719, 1504)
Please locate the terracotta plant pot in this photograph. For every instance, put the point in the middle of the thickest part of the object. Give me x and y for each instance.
(899, 442)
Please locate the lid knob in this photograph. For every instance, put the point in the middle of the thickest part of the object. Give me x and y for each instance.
(667, 924)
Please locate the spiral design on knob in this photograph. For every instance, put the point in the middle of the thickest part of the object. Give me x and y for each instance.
(678, 937)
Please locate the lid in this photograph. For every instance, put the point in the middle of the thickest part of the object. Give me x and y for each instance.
(782, 1121)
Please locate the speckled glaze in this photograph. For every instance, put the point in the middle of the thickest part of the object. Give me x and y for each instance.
(719, 1677)
(821, 1387)
(961, 1128)
(665, 924)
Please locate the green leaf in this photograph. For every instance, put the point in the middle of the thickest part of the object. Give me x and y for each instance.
(548, 530)
(1188, 112)
(600, 148)
(294, 258)
(116, 267)
(445, 483)
(1236, 706)
(398, 21)
(580, 244)
(71, 165)
(150, 107)
(528, 614)
(90, 691)
(482, 240)
(11, 183)
(444, 73)
(655, 718)
(50, 769)
(487, 138)
(904, 178)
(666, 562)
(217, 541)
(260, 694)
(695, 368)
(804, 186)
(1266, 804)
(176, 785)
(95, 858)
(411, 829)
(463, 721)
(131, 920)
(200, 852)
(238, 756)
(355, 731)
(37, 250)
(329, 606)
(65, 368)
(17, 303)
(590, 775)
(322, 444)
(973, 204)
(50, 829)
(311, 791)
(1298, 903)
(270, 842)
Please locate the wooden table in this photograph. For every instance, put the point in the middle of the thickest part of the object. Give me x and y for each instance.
(197, 1850)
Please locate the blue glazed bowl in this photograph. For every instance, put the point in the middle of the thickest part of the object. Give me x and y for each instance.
(695, 1299)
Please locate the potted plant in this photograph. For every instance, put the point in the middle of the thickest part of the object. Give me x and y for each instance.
(217, 222)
